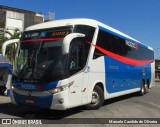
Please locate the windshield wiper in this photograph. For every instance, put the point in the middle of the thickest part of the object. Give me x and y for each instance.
(28, 68)
(39, 47)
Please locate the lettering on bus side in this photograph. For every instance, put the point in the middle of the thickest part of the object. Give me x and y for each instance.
(131, 44)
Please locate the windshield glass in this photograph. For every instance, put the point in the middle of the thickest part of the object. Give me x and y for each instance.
(40, 55)
(40, 58)
(34, 62)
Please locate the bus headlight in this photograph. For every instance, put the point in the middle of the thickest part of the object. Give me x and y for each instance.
(12, 87)
(61, 88)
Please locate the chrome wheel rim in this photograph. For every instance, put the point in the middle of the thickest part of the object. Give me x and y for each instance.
(95, 98)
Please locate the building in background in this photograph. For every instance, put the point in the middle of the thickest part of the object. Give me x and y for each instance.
(157, 68)
(13, 18)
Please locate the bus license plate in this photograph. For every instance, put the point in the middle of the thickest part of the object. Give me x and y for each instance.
(30, 101)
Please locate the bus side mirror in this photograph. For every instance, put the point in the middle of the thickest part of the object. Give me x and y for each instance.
(67, 40)
(6, 43)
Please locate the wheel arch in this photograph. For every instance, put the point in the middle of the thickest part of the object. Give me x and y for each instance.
(98, 88)
(100, 84)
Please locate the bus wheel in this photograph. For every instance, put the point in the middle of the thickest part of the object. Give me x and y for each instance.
(142, 90)
(97, 98)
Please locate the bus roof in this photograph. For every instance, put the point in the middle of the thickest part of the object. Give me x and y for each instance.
(82, 21)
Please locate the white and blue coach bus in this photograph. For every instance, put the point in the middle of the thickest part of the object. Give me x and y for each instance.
(67, 63)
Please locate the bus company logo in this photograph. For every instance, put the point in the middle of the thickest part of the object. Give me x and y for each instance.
(132, 45)
(28, 87)
(43, 34)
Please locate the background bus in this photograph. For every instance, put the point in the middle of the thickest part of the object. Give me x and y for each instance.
(67, 63)
(5, 70)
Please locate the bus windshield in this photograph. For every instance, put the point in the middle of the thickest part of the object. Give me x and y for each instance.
(35, 60)
(40, 55)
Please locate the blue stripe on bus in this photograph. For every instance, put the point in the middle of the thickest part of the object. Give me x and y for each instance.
(121, 77)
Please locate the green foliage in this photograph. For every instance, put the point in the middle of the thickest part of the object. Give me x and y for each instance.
(10, 51)
(15, 34)
(2, 40)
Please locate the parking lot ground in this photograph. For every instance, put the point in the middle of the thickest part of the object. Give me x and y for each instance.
(128, 106)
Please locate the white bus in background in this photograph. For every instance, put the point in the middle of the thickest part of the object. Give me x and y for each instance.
(67, 63)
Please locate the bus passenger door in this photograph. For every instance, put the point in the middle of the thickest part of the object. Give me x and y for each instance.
(76, 66)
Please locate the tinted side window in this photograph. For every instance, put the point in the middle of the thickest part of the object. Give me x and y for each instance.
(87, 30)
(117, 45)
(89, 33)
(104, 40)
(77, 58)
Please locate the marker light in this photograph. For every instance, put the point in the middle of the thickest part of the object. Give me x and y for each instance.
(12, 87)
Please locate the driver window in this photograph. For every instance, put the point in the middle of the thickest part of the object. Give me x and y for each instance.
(76, 55)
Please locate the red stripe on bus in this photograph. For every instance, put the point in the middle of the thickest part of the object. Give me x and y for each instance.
(122, 58)
(42, 39)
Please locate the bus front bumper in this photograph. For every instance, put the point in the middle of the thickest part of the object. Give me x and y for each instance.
(45, 99)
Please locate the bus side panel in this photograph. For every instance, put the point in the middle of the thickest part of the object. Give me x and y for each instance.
(96, 75)
(120, 77)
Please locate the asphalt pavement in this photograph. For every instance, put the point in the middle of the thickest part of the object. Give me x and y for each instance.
(129, 106)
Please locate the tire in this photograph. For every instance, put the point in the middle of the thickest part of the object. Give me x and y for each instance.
(97, 99)
(142, 90)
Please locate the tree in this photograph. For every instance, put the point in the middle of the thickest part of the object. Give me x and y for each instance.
(10, 51)
(15, 35)
(2, 40)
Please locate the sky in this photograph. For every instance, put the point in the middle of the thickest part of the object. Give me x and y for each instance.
(139, 19)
